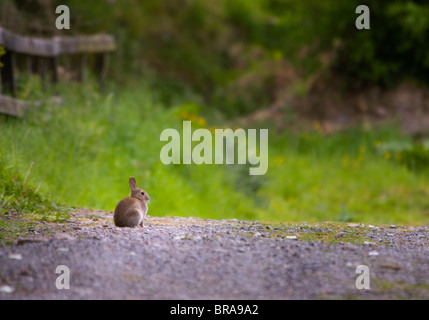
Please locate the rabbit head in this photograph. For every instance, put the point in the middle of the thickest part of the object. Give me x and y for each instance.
(137, 192)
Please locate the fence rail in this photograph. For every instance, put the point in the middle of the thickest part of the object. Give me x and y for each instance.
(57, 45)
(13, 107)
(42, 55)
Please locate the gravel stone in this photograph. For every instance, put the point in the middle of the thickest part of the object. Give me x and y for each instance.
(192, 258)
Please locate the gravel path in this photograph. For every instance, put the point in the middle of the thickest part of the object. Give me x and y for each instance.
(190, 258)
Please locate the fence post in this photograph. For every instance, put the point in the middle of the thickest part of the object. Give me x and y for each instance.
(100, 66)
(8, 73)
(53, 64)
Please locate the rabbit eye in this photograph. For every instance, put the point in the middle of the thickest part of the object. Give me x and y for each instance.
(142, 193)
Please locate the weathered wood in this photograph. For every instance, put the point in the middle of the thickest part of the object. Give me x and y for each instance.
(41, 57)
(43, 69)
(83, 59)
(35, 65)
(100, 66)
(57, 45)
(29, 64)
(12, 107)
(7, 72)
(53, 66)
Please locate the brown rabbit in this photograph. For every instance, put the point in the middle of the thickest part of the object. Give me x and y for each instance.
(131, 211)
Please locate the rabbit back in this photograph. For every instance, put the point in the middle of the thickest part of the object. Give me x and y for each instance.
(128, 213)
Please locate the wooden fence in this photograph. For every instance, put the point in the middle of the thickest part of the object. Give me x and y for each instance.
(40, 56)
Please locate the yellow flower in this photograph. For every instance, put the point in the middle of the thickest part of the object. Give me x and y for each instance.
(346, 161)
(212, 129)
(200, 121)
(387, 155)
(184, 115)
(317, 126)
(193, 118)
(279, 160)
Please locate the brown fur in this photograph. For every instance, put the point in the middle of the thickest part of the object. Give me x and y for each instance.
(131, 211)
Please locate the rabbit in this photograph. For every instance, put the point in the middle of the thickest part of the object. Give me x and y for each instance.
(131, 211)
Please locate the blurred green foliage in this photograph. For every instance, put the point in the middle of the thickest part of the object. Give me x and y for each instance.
(233, 51)
(85, 151)
(395, 49)
(2, 52)
(16, 195)
(415, 155)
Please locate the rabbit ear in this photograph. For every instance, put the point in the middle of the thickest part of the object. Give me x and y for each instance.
(133, 183)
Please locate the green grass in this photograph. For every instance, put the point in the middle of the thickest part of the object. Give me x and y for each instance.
(349, 182)
(345, 177)
(329, 232)
(401, 290)
(84, 151)
(12, 228)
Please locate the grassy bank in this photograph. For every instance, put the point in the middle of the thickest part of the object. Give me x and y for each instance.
(80, 154)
